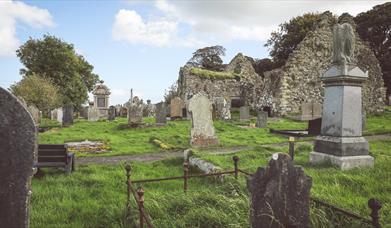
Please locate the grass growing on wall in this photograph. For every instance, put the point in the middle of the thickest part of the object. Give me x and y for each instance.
(214, 75)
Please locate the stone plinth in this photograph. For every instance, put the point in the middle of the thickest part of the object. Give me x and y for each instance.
(341, 141)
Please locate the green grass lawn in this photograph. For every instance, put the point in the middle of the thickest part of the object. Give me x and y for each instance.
(347, 189)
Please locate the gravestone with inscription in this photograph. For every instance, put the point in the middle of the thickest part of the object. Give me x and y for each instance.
(93, 114)
(161, 113)
(67, 118)
(135, 112)
(280, 194)
(111, 116)
(59, 115)
(261, 119)
(222, 108)
(202, 129)
(53, 114)
(18, 148)
(176, 108)
(244, 113)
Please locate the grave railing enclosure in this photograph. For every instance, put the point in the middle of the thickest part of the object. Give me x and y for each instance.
(144, 217)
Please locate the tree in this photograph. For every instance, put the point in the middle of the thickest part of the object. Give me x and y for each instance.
(56, 60)
(374, 26)
(289, 35)
(171, 93)
(38, 91)
(208, 58)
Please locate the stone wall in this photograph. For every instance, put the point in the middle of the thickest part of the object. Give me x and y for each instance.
(299, 80)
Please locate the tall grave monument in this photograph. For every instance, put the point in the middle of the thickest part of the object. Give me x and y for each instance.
(101, 99)
(18, 148)
(341, 141)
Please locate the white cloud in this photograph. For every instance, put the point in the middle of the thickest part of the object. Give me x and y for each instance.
(211, 21)
(12, 13)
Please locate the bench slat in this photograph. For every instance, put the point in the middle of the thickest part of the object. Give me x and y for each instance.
(48, 152)
(50, 164)
(52, 159)
(52, 146)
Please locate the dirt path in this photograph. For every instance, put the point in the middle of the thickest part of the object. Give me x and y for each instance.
(164, 155)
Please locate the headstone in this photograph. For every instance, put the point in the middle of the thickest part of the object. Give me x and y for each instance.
(316, 110)
(118, 110)
(314, 126)
(93, 114)
(67, 118)
(202, 129)
(280, 194)
(149, 109)
(222, 108)
(161, 113)
(176, 107)
(135, 112)
(244, 113)
(306, 111)
(18, 148)
(101, 99)
(341, 141)
(111, 113)
(59, 115)
(261, 119)
(53, 114)
(123, 112)
(34, 111)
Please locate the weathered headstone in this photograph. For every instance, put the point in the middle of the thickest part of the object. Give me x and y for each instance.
(18, 148)
(202, 129)
(316, 110)
(53, 114)
(280, 194)
(222, 108)
(118, 110)
(244, 113)
(34, 111)
(261, 119)
(93, 114)
(306, 111)
(135, 112)
(123, 112)
(161, 113)
(149, 109)
(176, 108)
(59, 115)
(67, 118)
(341, 141)
(111, 116)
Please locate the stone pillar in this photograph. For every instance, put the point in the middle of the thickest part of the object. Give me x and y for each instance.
(340, 141)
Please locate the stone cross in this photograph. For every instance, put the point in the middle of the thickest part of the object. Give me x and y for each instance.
(280, 194)
(18, 148)
(161, 113)
(202, 129)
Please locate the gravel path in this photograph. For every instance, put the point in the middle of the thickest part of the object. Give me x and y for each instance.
(174, 154)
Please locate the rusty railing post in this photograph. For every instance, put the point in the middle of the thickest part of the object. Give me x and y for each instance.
(375, 206)
(185, 175)
(292, 147)
(236, 160)
(140, 193)
(128, 168)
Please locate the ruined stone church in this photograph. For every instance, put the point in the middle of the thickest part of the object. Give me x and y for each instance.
(282, 91)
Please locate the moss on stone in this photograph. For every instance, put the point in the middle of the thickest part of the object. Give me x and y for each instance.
(214, 75)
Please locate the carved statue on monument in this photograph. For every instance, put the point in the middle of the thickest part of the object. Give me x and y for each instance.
(343, 44)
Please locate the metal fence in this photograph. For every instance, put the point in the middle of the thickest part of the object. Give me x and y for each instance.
(144, 217)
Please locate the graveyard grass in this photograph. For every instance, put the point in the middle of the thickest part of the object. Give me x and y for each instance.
(95, 195)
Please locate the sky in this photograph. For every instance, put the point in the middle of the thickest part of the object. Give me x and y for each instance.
(142, 44)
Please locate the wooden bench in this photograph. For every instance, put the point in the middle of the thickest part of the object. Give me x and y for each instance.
(55, 155)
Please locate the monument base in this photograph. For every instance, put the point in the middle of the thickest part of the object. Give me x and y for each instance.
(204, 141)
(343, 162)
(341, 146)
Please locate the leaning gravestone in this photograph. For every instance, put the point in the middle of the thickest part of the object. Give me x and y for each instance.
(244, 113)
(176, 108)
(93, 114)
(17, 155)
(280, 194)
(135, 112)
(67, 118)
(262, 119)
(111, 115)
(202, 130)
(160, 117)
(34, 111)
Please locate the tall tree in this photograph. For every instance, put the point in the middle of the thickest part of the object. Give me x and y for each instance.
(208, 58)
(374, 26)
(54, 59)
(289, 35)
(37, 91)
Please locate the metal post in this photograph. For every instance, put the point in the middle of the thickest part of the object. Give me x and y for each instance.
(375, 206)
(140, 193)
(292, 147)
(128, 183)
(185, 175)
(236, 160)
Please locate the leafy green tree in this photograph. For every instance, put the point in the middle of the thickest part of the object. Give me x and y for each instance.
(38, 91)
(289, 35)
(374, 26)
(208, 58)
(57, 60)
